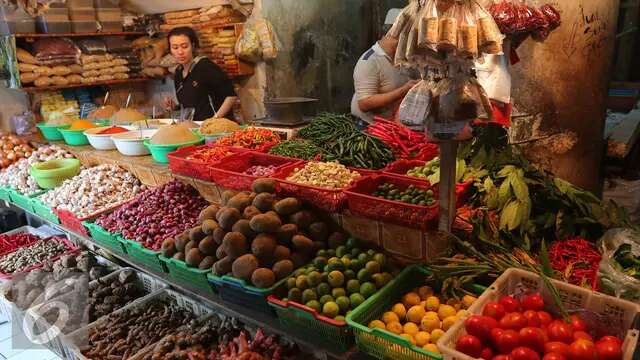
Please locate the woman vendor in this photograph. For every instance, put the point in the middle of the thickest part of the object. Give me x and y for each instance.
(199, 83)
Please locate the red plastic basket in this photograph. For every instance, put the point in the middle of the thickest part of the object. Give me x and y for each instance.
(74, 223)
(324, 199)
(399, 168)
(71, 248)
(229, 173)
(179, 164)
(361, 202)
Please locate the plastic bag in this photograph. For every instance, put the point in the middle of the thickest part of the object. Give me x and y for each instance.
(117, 44)
(92, 46)
(505, 15)
(48, 48)
(248, 44)
(416, 105)
(22, 123)
(552, 18)
(268, 40)
(467, 33)
(448, 30)
(611, 278)
(402, 20)
(428, 25)
(489, 36)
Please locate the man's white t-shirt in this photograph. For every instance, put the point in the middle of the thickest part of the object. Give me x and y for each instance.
(375, 74)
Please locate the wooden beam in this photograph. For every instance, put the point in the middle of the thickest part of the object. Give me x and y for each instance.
(626, 42)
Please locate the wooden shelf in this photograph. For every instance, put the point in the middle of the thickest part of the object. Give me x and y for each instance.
(99, 83)
(111, 33)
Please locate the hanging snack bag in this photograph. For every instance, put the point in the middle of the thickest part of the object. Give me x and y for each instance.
(448, 30)
(489, 36)
(267, 39)
(505, 15)
(402, 20)
(467, 33)
(248, 45)
(428, 25)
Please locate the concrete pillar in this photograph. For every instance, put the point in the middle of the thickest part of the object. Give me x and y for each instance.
(564, 82)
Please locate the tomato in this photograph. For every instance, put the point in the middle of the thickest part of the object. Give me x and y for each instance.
(582, 350)
(533, 302)
(507, 341)
(558, 330)
(486, 353)
(513, 321)
(532, 318)
(523, 353)
(553, 356)
(578, 324)
(510, 304)
(469, 345)
(611, 338)
(495, 334)
(545, 318)
(494, 309)
(501, 357)
(556, 347)
(533, 338)
(609, 350)
(480, 326)
(582, 335)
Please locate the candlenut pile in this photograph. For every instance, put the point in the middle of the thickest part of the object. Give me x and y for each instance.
(18, 175)
(94, 190)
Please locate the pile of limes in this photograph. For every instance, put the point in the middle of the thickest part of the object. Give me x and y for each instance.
(339, 279)
(422, 318)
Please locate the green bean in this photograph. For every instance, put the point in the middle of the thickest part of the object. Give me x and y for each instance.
(299, 149)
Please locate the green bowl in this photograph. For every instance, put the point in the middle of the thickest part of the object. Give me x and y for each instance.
(102, 122)
(52, 132)
(160, 152)
(75, 137)
(51, 174)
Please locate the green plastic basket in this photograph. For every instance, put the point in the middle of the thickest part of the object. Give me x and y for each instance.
(183, 274)
(24, 201)
(237, 291)
(5, 193)
(104, 237)
(383, 344)
(75, 137)
(149, 258)
(45, 212)
(52, 132)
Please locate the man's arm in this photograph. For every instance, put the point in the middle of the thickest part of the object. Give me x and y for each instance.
(226, 106)
(383, 100)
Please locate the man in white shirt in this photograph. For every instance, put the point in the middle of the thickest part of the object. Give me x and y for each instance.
(379, 85)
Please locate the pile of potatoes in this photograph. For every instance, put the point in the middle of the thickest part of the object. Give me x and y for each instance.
(253, 236)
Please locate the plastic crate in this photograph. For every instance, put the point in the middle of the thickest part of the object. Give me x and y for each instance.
(229, 173)
(613, 313)
(183, 274)
(179, 164)
(104, 237)
(24, 229)
(5, 193)
(238, 292)
(362, 203)
(45, 212)
(71, 248)
(325, 199)
(399, 168)
(24, 201)
(74, 223)
(77, 338)
(310, 325)
(149, 258)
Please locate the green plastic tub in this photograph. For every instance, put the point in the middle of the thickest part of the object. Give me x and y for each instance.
(52, 132)
(50, 174)
(160, 152)
(105, 238)
(5, 193)
(45, 212)
(239, 292)
(383, 344)
(24, 201)
(75, 137)
(149, 258)
(183, 274)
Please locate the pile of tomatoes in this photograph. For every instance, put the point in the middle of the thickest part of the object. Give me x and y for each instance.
(510, 329)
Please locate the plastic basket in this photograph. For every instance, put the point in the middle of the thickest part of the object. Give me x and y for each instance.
(309, 325)
(238, 292)
(45, 212)
(613, 313)
(71, 248)
(74, 223)
(76, 338)
(183, 274)
(24, 229)
(5, 193)
(229, 173)
(179, 164)
(362, 203)
(325, 199)
(24, 201)
(104, 237)
(149, 258)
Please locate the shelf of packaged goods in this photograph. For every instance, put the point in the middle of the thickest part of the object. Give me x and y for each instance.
(99, 83)
(82, 34)
(249, 316)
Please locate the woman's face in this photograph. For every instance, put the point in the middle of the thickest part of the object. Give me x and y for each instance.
(181, 48)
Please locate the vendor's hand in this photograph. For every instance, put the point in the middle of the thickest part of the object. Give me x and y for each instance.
(167, 103)
(410, 84)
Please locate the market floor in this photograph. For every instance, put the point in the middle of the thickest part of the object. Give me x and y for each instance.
(8, 353)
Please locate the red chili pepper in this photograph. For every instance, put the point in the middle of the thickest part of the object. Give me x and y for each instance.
(579, 254)
(12, 242)
(251, 138)
(209, 155)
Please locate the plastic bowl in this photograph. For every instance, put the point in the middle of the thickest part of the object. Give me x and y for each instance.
(50, 174)
(160, 152)
(102, 141)
(52, 132)
(75, 137)
(131, 143)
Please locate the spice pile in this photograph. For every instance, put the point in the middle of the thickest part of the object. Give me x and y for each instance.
(18, 176)
(93, 190)
(82, 124)
(209, 154)
(110, 294)
(328, 175)
(113, 130)
(216, 126)
(250, 138)
(31, 255)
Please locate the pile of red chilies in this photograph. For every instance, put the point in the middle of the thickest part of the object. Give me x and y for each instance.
(12, 242)
(405, 143)
(581, 256)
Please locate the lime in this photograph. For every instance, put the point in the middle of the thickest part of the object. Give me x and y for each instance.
(325, 299)
(337, 292)
(364, 275)
(343, 303)
(356, 264)
(346, 260)
(322, 253)
(320, 262)
(330, 309)
(339, 318)
(353, 286)
(371, 252)
(356, 252)
(349, 274)
(325, 277)
(323, 289)
(363, 258)
(353, 243)
(373, 267)
(378, 279)
(380, 259)
(335, 264)
(356, 299)
(367, 289)
(331, 252)
(295, 294)
(299, 272)
(336, 279)
(341, 251)
(302, 282)
(314, 278)
(291, 283)
(309, 295)
(314, 304)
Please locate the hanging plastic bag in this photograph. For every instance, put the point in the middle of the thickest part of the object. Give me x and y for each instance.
(416, 106)
(467, 33)
(428, 26)
(505, 15)
(402, 20)
(248, 44)
(268, 40)
(489, 37)
(448, 30)
(619, 273)
(552, 17)
(22, 123)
